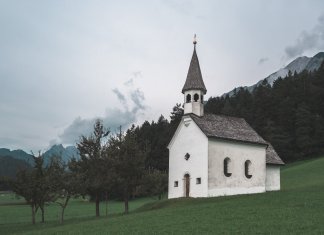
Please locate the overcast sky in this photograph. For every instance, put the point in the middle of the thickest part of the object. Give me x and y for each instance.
(65, 63)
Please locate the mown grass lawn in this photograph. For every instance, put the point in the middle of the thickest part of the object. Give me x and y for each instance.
(76, 210)
(297, 209)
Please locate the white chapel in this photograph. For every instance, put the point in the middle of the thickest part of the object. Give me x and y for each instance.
(214, 155)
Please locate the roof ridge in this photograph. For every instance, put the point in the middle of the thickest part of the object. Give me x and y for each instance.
(226, 127)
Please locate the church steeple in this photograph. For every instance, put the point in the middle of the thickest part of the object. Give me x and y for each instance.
(194, 78)
(194, 88)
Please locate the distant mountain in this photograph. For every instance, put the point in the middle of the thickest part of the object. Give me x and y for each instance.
(17, 154)
(66, 154)
(297, 65)
(9, 166)
(11, 161)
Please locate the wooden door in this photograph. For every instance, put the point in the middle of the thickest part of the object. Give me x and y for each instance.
(187, 185)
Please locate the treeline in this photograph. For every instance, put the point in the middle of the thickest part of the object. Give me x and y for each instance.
(120, 165)
(290, 114)
(154, 137)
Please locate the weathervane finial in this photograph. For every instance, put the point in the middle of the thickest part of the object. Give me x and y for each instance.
(195, 40)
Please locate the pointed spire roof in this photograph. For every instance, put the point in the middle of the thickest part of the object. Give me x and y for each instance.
(194, 79)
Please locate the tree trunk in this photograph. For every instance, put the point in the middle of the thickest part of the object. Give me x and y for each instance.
(43, 216)
(63, 207)
(126, 204)
(62, 215)
(33, 214)
(97, 205)
(106, 204)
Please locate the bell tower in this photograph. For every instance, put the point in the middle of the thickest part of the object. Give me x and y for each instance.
(194, 88)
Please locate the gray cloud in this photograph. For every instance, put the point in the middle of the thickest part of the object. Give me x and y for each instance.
(137, 97)
(312, 39)
(263, 60)
(137, 74)
(129, 82)
(120, 96)
(78, 127)
(133, 106)
(53, 142)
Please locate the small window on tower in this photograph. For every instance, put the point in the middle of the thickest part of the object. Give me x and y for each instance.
(198, 180)
(175, 183)
(196, 97)
(188, 98)
(202, 99)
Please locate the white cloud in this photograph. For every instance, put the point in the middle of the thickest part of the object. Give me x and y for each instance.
(263, 60)
(132, 107)
(307, 40)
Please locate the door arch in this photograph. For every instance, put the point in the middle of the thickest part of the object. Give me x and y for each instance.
(186, 185)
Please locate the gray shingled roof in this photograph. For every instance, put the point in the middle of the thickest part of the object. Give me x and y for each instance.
(272, 157)
(226, 127)
(233, 128)
(194, 79)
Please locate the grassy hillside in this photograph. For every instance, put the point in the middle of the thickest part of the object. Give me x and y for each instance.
(297, 208)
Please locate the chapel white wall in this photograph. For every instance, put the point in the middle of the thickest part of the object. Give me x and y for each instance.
(237, 183)
(273, 178)
(188, 139)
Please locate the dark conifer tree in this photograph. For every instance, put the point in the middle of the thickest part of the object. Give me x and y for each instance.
(289, 114)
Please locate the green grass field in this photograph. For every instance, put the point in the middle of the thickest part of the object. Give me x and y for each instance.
(297, 209)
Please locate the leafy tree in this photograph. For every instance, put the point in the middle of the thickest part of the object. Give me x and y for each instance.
(44, 191)
(65, 184)
(25, 185)
(35, 186)
(128, 163)
(91, 168)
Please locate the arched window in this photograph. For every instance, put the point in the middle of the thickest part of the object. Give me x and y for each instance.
(247, 166)
(227, 162)
(202, 99)
(196, 97)
(188, 98)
